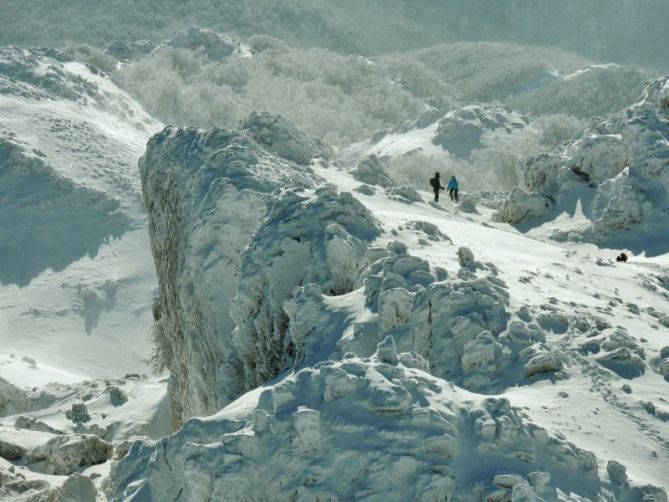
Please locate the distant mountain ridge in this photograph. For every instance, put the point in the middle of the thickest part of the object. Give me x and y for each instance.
(618, 30)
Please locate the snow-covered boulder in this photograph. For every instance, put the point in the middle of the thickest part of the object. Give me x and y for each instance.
(624, 362)
(12, 399)
(78, 488)
(11, 451)
(62, 455)
(454, 324)
(279, 136)
(78, 413)
(521, 206)
(356, 429)
(369, 170)
(538, 360)
(117, 396)
(405, 193)
(129, 51)
(304, 240)
(462, 131)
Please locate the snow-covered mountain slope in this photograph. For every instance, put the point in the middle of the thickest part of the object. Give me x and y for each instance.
(454, 133)
(73, 228)
(614, 179)
(478, 142)
(391, 348)
(76, 276)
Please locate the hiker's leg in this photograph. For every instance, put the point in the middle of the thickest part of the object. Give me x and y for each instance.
(456, 196)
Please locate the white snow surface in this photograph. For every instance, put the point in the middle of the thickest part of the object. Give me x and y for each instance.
(461, 359)
(76, 278)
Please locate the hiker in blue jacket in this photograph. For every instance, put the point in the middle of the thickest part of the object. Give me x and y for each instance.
(452, 188)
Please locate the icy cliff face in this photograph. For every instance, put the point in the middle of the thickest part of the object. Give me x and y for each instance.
(618, 172)
(233, 231)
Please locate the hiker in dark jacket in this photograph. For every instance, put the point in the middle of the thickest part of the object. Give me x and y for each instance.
(436, 186)
(453, 188)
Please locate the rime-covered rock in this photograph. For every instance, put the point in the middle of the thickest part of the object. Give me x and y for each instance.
(62, 455)
(279, 136)
(520, 206)
(462, 131)
(624, 362)
(369, 170)
(78, 413)
(616, 170)
(224, 205)
(214, 46)
(406, 194)
(78, 488)
(11, 451)
(537, 360)
(386, 427)
(129, 51)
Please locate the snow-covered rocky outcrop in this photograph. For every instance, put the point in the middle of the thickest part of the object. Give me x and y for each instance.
(331, 346)
(617, 173)
(363, 429)
(236, 223)
(214, 46)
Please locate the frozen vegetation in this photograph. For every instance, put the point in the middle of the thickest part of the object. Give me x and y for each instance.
(612, 30)
(317, 326)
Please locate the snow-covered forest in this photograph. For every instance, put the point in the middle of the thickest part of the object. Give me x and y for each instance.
(226, 273)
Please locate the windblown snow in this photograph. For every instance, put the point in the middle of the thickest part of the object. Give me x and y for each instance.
(326, 332)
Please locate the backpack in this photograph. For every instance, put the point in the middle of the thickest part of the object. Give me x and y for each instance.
(434, 182)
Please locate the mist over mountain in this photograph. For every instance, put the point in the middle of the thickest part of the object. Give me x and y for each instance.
(626, 31)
